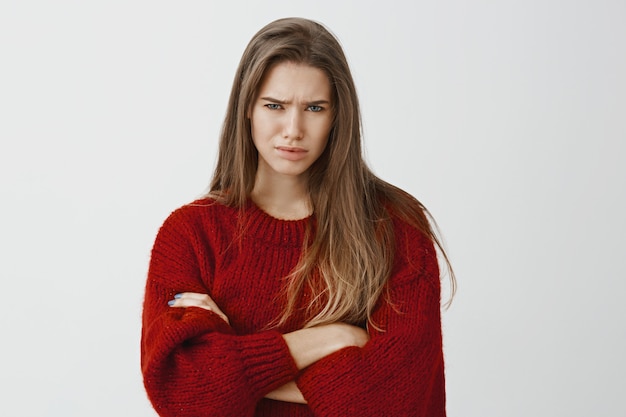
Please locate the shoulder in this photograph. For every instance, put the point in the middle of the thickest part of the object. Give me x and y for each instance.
(415, 252)
(401, 206)
(409, 218)
(414, 235)
(415, 256)
(410, 238)
(194, 232)
(201, 209)
(204, 213)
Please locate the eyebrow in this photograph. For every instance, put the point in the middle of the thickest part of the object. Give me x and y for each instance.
(310, 103)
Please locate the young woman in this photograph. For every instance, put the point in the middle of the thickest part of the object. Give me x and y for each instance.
(302, 285)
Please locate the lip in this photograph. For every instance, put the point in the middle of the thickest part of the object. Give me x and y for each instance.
(292, 153)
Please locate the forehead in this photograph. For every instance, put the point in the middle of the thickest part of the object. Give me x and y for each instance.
(294, 80)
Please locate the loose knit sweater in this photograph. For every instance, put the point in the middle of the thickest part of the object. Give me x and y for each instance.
(195, 364)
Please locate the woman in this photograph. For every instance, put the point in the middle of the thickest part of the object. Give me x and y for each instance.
(302, 285)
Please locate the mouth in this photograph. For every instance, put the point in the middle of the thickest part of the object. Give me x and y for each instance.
(291, 153)
(291, 149)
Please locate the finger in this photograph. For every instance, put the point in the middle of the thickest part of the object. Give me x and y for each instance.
(184, 301)
(187, 299)
(200, 300)
(204, 301)
(193, 296)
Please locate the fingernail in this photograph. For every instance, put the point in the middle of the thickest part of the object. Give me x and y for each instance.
(171, 302)
(177, 296)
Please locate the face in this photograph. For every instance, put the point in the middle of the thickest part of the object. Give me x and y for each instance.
(291, 119)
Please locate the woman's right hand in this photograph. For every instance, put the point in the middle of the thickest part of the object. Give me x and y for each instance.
(309, 345)
(194, 299)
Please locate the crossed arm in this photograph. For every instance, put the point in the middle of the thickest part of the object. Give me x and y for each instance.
(306, 346)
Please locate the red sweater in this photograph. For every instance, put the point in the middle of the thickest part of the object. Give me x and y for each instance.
(194, 364)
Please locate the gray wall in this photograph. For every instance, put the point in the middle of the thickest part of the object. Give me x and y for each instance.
(507, 119)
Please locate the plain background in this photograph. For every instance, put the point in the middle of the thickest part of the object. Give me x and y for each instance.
(506, 118)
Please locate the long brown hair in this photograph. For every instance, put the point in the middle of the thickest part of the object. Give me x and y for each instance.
(352, 249)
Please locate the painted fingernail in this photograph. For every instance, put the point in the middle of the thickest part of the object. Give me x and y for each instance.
(171, 302)
(177, 296)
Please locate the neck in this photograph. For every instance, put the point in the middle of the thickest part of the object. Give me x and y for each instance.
(283, 197)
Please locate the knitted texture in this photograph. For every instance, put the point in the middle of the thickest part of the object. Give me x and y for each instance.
(194, 364)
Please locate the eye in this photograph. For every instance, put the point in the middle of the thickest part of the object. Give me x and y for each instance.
(315, 109)
(273, 106)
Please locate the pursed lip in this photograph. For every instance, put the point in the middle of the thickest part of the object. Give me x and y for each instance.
(291, 153)
(293, 149)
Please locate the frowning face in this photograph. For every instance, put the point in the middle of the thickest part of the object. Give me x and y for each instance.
(291, 119)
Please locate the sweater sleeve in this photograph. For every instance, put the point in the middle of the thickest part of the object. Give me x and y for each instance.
(194, 363)
(399, 372)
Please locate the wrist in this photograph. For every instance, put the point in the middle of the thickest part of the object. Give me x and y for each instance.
(309, 345)
(349, 335)
(312, 344)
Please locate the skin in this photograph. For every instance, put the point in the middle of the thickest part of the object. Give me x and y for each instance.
(291, 119)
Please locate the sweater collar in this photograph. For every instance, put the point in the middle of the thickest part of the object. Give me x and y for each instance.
(263, 226)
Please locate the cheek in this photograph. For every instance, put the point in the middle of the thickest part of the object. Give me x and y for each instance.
(322, 145)
(256, 131)
(260, 127)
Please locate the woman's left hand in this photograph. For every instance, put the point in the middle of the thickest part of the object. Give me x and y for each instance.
(194, 299)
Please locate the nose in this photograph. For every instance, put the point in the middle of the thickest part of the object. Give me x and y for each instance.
(293, 126)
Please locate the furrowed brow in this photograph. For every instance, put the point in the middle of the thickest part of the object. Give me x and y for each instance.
(274, 100)
(309, 103)
(318, 102)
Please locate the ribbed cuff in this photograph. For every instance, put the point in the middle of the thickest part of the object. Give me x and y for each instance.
(267, 361)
